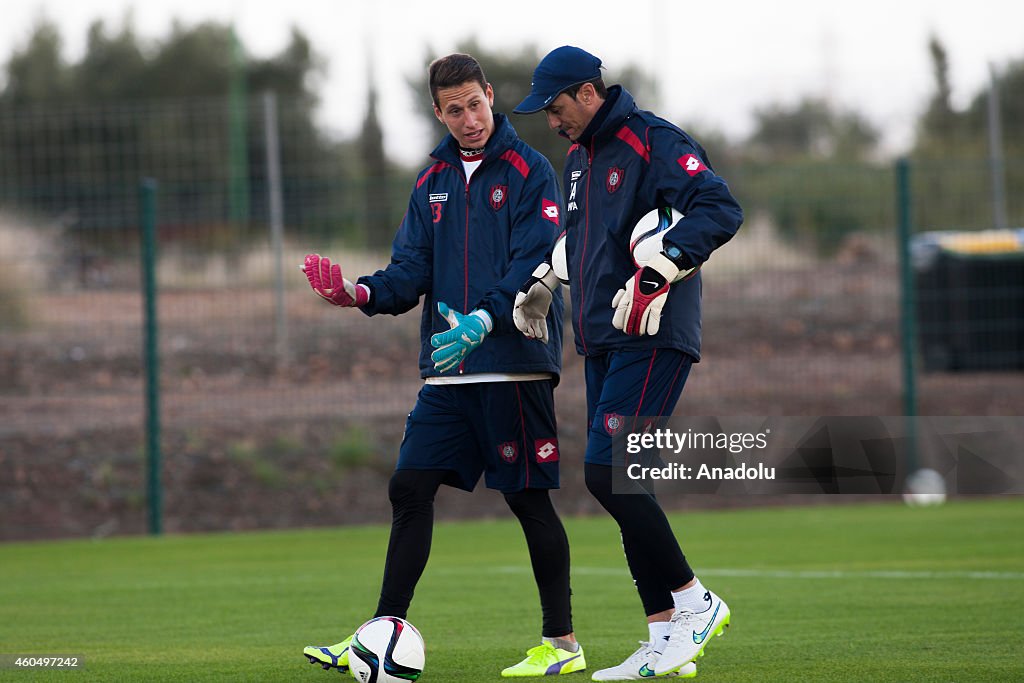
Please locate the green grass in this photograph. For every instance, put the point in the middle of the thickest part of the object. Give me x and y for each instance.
(840, 593)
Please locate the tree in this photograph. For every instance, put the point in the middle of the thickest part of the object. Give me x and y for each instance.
(1009, 80)
(377, 221)
(812, 129)
(75, 139)
(113, 67)
(952, 174)
(939, 120)
(809, 167)
(37, 74)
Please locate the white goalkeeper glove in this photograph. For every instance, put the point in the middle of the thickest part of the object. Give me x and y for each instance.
(533, 301)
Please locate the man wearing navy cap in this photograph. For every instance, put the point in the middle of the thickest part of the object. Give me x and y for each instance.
(637, 327)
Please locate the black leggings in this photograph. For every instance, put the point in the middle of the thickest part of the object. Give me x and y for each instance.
(654, 557)
(412, 503)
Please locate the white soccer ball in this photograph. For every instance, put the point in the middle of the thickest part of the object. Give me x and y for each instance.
(386, 650)
(646, 239)
(925, 487)
(559, 260)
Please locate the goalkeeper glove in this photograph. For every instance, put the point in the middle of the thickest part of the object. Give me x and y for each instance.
(326, 280)
(467, 332)
(638, 304)
(533, 301)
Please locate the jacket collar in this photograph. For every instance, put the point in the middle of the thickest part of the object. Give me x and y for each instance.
(501, 139)
(616, 108)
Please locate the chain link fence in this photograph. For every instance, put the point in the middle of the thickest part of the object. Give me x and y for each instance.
(278, 410)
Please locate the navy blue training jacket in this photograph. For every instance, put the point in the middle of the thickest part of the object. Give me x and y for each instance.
(472, 245)
(633, 162)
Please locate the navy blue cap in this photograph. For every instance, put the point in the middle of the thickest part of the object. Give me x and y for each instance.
(562, 68)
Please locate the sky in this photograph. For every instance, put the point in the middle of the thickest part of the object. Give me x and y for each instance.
(715, 63)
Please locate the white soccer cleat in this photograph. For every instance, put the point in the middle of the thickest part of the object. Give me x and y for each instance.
(640, 666)
(691, 631)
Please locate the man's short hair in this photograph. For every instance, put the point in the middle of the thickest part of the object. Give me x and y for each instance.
(599, 87)
(454, 70)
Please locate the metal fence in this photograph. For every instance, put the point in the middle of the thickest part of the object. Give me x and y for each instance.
(277, 410)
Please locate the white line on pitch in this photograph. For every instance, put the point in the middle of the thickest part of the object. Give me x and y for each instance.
(803, 574)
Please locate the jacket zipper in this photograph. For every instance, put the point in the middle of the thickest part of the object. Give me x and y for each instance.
(465, 268)
(586, 234)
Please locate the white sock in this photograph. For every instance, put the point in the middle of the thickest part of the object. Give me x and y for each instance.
(562, 644)
(694, 599)
(659, 631)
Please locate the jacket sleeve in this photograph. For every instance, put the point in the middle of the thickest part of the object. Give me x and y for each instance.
(536, 217)
(684, 180)
(398, 287)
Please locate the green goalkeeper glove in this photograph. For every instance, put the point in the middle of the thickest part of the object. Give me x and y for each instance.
(467, 332)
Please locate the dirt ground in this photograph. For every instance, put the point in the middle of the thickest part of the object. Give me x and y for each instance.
(252, 439)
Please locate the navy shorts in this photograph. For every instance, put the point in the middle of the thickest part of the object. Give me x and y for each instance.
(503, 430)
(624, 385)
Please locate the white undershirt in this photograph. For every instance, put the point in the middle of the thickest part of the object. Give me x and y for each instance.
(489, 377)
(470, 166)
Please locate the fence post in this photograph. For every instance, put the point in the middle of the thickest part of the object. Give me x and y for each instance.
(908, 311)
(274, 196)
(151, 354)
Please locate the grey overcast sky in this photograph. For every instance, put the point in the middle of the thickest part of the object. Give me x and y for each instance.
(714, 62)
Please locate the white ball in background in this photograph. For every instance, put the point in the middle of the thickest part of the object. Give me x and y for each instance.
(924, 487)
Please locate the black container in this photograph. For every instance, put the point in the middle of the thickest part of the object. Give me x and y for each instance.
(970, 304)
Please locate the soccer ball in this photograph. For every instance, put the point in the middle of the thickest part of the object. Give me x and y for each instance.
(646, 239)
(644, 242)
(559, 260)
(925, 487)
(386, 650)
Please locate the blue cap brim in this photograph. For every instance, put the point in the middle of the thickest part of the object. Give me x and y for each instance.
(532, 104)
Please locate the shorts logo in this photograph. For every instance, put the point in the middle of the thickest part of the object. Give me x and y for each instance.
(550, 210)
(499, 193)
(508, 451)
(546, 450)
(614, 181)
(691, 164)
(613, 423)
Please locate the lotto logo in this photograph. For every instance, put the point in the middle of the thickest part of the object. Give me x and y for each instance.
(691, 164)
(550, 210)
(546, 450)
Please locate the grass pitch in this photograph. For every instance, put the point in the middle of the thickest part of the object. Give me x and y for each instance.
(875, 592)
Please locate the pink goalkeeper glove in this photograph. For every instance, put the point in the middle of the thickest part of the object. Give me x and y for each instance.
(326, 280)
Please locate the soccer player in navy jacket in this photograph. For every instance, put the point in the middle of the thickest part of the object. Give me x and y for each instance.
(638, 331)
(480, 218)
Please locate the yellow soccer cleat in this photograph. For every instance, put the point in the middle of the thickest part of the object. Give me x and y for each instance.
(547, 660)
(331, 657)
